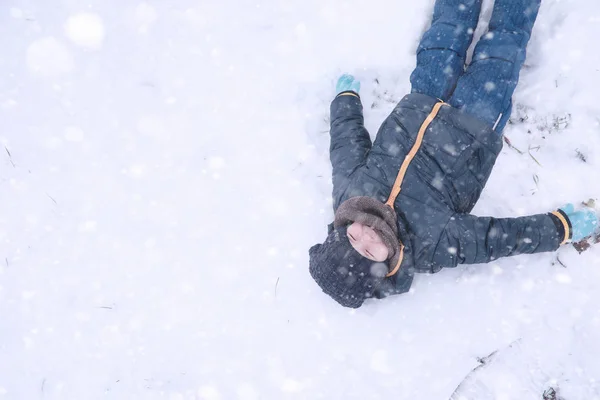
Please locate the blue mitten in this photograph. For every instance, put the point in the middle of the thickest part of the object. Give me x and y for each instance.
(583, 222)
(347, 83)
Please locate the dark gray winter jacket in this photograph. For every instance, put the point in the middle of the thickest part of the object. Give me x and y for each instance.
(447, 157)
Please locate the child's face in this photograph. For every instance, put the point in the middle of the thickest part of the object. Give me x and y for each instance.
(367, 242)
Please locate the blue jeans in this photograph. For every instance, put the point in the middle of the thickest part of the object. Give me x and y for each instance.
(485, 87)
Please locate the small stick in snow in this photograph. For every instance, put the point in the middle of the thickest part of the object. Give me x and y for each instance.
(531, 155)
(511, 146)
(580, 155)
(276, 283)
(9, 157)
(586, 243)
(486, 359)
(483, 362)
(52, 198)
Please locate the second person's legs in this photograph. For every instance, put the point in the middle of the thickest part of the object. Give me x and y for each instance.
(443, 47)
(486, 88)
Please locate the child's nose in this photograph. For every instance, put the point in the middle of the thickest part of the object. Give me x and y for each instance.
(370, 234)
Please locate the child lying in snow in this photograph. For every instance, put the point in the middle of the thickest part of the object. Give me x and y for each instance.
(402, 203)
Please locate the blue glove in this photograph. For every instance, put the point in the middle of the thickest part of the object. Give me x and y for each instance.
(583, 222)
(347, 83)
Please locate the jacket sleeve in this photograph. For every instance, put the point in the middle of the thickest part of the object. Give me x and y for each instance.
(468, 239)
(350, 141)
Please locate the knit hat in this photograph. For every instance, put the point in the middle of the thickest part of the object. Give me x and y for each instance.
(344, 274)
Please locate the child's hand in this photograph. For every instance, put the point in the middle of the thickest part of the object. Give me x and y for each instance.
(347, 83)
(583, 222)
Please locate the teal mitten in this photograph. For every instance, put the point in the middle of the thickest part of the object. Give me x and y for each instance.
(347, 83)
(583, 223)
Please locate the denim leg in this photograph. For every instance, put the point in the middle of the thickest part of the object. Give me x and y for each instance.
(485, 90)
(442, 50)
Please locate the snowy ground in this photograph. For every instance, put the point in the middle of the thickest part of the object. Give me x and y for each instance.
(164, 169)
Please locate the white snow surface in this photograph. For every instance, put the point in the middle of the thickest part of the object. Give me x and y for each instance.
(85, 30)
(159, 195)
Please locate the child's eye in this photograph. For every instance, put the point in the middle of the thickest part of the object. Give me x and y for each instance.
(351, 237)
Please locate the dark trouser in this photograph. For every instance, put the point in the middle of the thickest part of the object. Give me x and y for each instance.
(485, 88)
